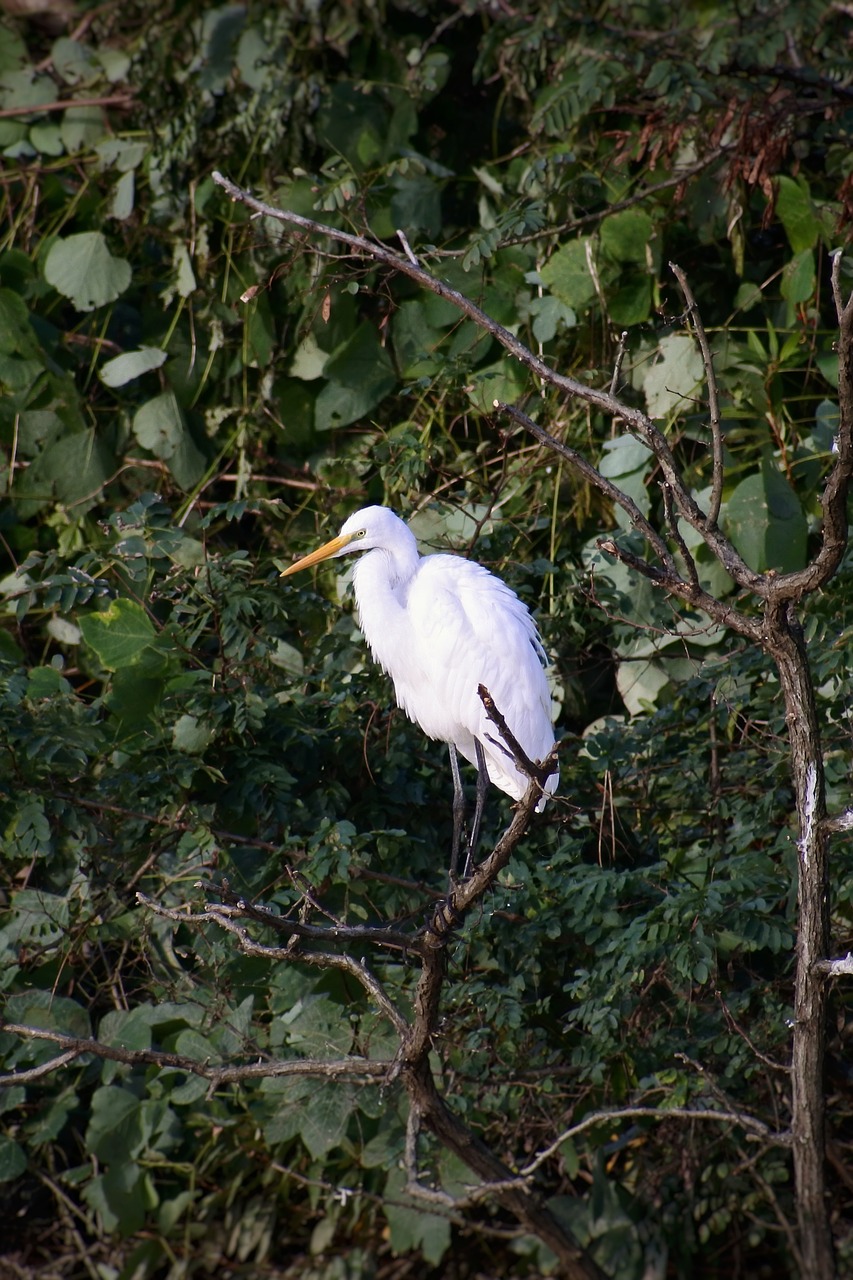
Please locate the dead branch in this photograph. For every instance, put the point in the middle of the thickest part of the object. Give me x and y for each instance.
(217, 1073)
(713, 395)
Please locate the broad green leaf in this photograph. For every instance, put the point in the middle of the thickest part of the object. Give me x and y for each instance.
(39, 918)
(324, 1121)
(640, 682)
(73, 468)
(567, 274)
(189, 736)
(630, 302)
(309, 360)
(624, 455)
(416, 341)
(185, 281)
(674, 380)
(120, 634)
(416, 206)
(795, 211)
(122, 202)
(118, 1197)
(549, 313)
(16, 333)
(73, 61)
(411, 1226)
(132, 364)
(626, 235)
(159, 425)
(13, 1159)
(765, 521)
(81, 268)
(41, 1008)
(505, 381)
(798, 277)
(360, 374)
(114, 1131)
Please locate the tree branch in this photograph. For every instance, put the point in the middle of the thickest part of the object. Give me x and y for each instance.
(371, 1072)
(735, 566)
(756, 1129)
(713, 396)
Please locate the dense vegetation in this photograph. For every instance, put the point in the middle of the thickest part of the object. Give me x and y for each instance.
(190, 395)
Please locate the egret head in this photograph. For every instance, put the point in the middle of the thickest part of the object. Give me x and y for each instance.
(363, 530)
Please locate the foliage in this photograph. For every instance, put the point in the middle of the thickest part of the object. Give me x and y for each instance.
(188, 396)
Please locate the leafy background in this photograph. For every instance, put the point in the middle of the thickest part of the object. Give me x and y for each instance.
(190, 396)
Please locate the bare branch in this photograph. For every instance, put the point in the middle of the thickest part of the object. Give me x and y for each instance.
(734, 564)
(676, 535)
(594, 477)
(35, 1073)
(756, 1129)
(318, 959)
(224, 916)
(840, 821)
(407, 248)
(539, 772)
(836, 968)
(372, 1072)
(618, 362)
(326, 934)
(713, 396)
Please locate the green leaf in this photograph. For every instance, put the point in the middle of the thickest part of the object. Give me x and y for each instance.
(624, 455)
(124, 368)
(416, 341)
(799, 278)
(189, 736)
(120, 634)
(673, 381)
(625, 236)
(13, 1160)
(795, 211)
(118, 1197)
(567, 274)
(159, 425)
(81, 268)
(411, 1226)
(630, 302)
(765, 521)
(505, 380)
(124, 192)
(114, 1131)
(77, 466)
(360, 374)
(40, 1008)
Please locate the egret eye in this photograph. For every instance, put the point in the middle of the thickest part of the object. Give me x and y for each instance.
(361, 533)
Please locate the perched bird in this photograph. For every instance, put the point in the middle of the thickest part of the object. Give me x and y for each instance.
(441, 626)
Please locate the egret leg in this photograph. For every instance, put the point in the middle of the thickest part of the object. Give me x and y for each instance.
(458, 811)
(482, 788)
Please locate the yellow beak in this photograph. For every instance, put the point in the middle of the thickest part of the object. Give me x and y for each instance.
(322, 553)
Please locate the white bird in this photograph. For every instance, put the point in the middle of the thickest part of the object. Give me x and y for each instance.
(441, 626)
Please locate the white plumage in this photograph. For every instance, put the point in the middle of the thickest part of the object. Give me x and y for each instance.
(440, 626)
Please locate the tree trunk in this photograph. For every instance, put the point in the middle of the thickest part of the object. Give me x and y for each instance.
(784, 641)
(574, 1263)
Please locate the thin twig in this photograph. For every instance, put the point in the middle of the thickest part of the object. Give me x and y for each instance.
(325, 934)
(757, 1130)
(111, 100)
(539, 772)
(407, 248)
(713, 397)
(618, 362)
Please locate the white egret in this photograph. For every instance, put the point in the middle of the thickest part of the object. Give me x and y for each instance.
(441, 626)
